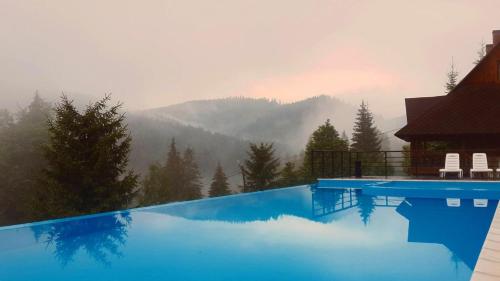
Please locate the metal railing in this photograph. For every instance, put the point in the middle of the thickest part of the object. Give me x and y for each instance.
(423, 163)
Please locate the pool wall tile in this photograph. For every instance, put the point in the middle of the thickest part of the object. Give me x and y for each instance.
(488, 264)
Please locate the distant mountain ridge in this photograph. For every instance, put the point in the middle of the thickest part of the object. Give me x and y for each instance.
(266, 120)
(220, 130)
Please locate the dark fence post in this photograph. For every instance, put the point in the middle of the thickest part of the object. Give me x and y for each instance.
(349, 174)
(333, 164)
(415, 159)
(385, 163)
(322, 164)
(341, 164)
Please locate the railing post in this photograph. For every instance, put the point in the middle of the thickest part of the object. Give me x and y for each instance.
(385, 163)
(349, 174)
(415, 159)
(333, 164)
(341, 164)
(322, 164)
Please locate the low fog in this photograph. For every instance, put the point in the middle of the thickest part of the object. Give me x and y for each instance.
(156, 53)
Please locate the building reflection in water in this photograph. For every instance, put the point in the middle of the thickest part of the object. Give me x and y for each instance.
(100, 237)
(432, 221)
(429, 220)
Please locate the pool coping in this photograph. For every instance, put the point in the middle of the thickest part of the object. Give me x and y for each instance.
(403, 179)
(488, 264)
(138, 209)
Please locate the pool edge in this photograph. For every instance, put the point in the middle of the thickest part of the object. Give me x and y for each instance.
(138, 209)
(488, 264)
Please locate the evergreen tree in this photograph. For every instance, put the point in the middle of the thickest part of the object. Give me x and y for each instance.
(21, 159)
(178, 180)
(191, 187)
(87, 157)
(345, 138)
(325, 137)
(365, 136)
(481, 52)
(161, 183)
(452, 77)
(289, 176)
(174, 169)
(219, 186)
(6, 120)
(155, 189)
(261, 168)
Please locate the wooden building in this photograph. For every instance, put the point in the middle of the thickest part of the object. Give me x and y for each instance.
(466, 120)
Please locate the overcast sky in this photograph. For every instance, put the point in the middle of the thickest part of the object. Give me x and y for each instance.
(153, 53)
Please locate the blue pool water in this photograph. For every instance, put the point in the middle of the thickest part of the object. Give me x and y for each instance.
(298, 233)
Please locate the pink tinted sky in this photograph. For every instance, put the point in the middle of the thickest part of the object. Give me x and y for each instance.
(154, 53)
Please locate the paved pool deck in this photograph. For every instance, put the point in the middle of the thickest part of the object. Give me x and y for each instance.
(488, 264)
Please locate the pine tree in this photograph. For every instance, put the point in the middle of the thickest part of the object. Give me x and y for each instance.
(174, 170)
(155, 189)
(481, 52)
(87, 158)
(191, 186)
(325, 137)
(162, 183)
(6, 120)
(345, 138)
(219, 186)
(261, 169)
(289, 176)
(365, 136)
(178, 180)
(21, 159)
(452, 76)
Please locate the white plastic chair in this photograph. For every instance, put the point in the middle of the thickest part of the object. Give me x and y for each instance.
(480, 165)
(451, 165)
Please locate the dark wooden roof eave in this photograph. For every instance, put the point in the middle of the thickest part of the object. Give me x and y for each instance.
(446, 137)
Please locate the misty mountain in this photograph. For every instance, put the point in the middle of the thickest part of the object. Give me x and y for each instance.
(268, 120)
(151, 140)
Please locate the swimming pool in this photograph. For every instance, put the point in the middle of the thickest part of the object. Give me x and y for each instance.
(336, 231)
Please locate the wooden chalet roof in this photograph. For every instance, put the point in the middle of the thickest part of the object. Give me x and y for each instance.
(472, 108)
(415, 106)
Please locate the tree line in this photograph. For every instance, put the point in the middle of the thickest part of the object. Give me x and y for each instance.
(60, 161)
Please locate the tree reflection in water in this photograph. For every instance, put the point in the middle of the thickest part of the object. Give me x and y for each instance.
(100, 237)
(366, 206)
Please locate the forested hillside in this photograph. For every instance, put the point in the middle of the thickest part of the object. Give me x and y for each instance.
(226, 116)
(267, 120)
(62, 159)
(151, 138)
